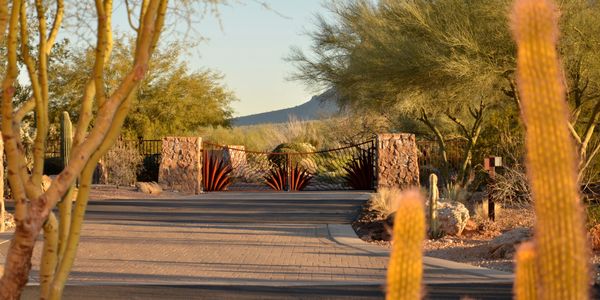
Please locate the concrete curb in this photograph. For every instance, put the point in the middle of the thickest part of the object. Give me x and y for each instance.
(344, 234)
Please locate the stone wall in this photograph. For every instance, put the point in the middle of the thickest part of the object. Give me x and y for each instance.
(397, 161)
(181, 164)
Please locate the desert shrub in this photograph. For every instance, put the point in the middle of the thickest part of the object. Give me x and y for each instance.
(385, 201)
(455, 192)
(323, 134)
(123, 161)
(593, 215)
(301, 160)
(511, 187)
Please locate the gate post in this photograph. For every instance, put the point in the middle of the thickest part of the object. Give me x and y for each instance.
(181, 164)
(397, 161)
(288, 172)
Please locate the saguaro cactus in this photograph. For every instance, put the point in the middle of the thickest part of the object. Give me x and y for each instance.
(66, 205)
(525, 273)
(405, 270)
(561, 255)
(66, 134)
(434, 195)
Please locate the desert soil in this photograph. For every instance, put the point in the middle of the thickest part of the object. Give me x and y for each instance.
(472, 247)
(104, 192)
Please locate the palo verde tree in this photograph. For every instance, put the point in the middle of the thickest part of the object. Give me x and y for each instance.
(443, 57)
(29, 33)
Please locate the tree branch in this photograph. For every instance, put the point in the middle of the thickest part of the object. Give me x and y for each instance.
(3, 19)
(588, 133)
(49, 255)
(8, 133)
(129, 17)
(60, 10)
(39, 146)
(82, 152)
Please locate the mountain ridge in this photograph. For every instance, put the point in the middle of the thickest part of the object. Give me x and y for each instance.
(318, 107)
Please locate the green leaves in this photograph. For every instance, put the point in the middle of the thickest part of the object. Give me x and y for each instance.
(171, 100)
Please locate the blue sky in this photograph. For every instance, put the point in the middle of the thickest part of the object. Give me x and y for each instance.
(248, 47)
(247, 44)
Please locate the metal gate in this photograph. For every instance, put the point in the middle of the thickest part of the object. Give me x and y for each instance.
(231, 168)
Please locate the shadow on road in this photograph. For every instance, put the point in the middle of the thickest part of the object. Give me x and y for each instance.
(447, 291)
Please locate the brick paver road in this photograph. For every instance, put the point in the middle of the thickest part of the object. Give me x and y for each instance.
(256, 239)
(261, 245)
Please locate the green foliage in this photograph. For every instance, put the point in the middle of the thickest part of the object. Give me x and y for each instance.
(394, 58)
(172, 100)
(279, 157)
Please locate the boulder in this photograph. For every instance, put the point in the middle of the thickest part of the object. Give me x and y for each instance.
(452, 217)
(504, 245)
(594, 237)
(151, 188)
(470, 228)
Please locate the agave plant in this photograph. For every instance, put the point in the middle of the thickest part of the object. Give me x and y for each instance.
(360, 171)
(216, 173)
(277, 178)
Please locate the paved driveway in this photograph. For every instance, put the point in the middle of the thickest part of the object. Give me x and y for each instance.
(265, 239)
(277, 240)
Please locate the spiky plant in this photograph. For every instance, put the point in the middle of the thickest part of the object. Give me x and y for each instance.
(525, 273)
(277, 178)
(405, 270)
(66, 141)
(216, 173)
(560, 248)
(433, 197)
(360, 171)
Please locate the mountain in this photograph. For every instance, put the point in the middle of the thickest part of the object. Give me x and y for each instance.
(318, 107)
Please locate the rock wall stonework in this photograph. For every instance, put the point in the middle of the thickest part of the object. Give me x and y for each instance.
(181, 164)
(397, 161)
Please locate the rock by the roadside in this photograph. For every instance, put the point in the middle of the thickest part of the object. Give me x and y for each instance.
(452, 217)
(151, 188)
(504, 246)
(470, 228)
(594, 237)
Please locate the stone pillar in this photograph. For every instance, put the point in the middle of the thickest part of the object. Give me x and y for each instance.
(397, 161)
(181, 164)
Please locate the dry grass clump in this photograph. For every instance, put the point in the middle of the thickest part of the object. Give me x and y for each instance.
(511, 186)
(385, 201)
(455, 192)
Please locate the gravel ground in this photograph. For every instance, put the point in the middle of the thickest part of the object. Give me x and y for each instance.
(472, 246)
(103, 192)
